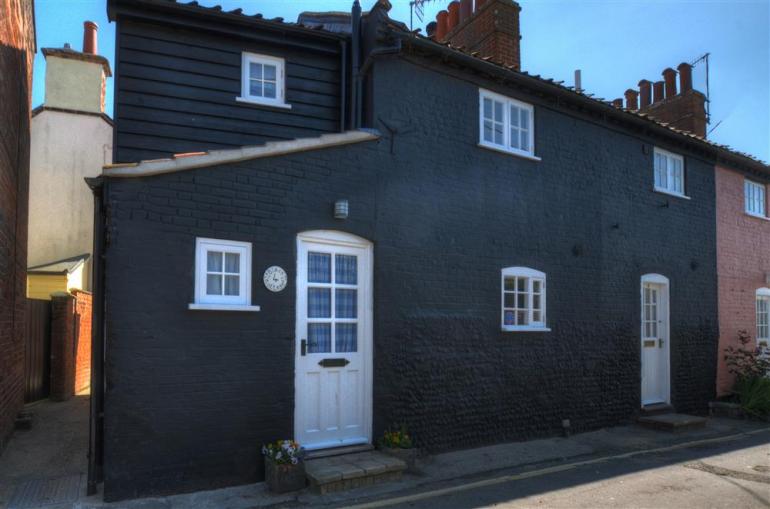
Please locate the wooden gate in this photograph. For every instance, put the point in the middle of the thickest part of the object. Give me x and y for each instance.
(37, 351)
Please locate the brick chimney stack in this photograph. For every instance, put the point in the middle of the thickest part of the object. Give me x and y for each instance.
(684, 109)
(492, 29)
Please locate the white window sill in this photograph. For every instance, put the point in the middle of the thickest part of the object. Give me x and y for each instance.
(671, 193)
(222, 307)
(268, 104)
(524, 328)
(757, 216)
(509, 152)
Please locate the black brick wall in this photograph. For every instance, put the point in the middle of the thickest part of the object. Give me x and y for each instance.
(192, 395)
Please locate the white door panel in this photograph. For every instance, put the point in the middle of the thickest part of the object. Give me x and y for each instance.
(655, 341)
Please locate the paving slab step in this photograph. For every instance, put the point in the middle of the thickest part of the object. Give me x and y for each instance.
(672, 422)
(338, 473)
(657, 409)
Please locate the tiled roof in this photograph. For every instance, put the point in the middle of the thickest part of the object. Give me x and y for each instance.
(599, 101)
(238, 14)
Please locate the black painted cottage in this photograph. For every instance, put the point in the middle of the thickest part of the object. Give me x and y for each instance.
(320, 234)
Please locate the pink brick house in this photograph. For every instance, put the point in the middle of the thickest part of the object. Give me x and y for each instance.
(743, 262)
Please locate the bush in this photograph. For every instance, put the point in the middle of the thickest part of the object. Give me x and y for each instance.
(751, 367)
(754, 395)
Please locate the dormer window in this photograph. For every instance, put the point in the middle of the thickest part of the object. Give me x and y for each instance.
(263, 80)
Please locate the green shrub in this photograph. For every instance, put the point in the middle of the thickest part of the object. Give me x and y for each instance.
(754, 395)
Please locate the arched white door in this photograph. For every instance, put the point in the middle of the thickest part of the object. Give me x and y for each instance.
(333, 368)
(655, 339)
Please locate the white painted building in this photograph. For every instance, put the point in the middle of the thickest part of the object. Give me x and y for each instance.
(71, 140)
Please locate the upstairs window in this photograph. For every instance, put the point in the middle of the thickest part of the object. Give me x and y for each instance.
(222, 275)
(263, 80)
(754, 194)
(763, 313)
(506, 124)
(669, 172)
(523, 295)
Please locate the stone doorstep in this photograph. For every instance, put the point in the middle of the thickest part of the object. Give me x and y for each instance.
(672, 422)
(337, 473)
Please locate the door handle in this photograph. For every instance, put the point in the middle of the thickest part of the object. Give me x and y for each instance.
(303, 347)
(660, 343)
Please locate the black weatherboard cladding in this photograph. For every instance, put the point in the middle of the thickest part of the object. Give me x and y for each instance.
(192, 395)
(176, 92)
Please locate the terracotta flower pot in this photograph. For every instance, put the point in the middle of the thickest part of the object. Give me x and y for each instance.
(284, 478)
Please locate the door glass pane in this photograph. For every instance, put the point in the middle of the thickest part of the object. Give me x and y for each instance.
(319, 303)
(319, 268)
(214, 261)
(346, 337)
(214, 284)
(232, 263)
(232, 285)
(319, 337)
(346, 269)
(346, 302)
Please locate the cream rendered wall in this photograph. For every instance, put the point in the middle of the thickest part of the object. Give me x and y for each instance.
(66, 148)
(73, 84)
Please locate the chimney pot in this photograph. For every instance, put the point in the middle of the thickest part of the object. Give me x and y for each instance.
(442, 26)
(669, 77)
(685, 77)
(466, 9)
(645, 93)
(631, 99)
(454, 15)
(657, 92)
(618, 103)
(431, 28)
(89, 37)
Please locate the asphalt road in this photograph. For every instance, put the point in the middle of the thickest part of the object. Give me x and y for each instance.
(734, 474)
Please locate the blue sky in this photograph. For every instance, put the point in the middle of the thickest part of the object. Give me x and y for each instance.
(615, 43)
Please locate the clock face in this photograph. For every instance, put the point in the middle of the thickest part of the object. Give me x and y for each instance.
(275, 278)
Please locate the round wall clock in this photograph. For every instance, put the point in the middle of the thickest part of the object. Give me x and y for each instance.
(275, 278)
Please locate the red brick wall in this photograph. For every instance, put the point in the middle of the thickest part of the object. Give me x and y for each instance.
(686, 111)
(17, 48)
(743, 259)
(70, 344)
(83, 341)
(493, 31)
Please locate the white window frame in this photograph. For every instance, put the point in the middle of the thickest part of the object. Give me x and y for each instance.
(240, 302)
(530, 275)
(764, 295)
(506, 146)
(669, 188)
(750, 189)
(280, 80)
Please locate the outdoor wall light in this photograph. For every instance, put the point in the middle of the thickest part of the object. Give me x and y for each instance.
(341, 209)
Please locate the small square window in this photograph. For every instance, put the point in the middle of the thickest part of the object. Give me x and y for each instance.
(754, 194)
(222, 272)
(506, 124)
(263, 80)
(669, 172)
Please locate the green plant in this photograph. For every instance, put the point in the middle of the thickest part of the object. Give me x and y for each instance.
(398, 439)
(283, 452)
(754, 395)
(751, 368)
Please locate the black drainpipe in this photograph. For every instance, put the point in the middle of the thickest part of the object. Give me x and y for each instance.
(355, 49)
(96, 423)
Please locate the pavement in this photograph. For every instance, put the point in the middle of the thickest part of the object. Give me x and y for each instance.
(626, 466)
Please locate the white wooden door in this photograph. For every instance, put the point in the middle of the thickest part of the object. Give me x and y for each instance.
(655, 348)
(334, 341)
